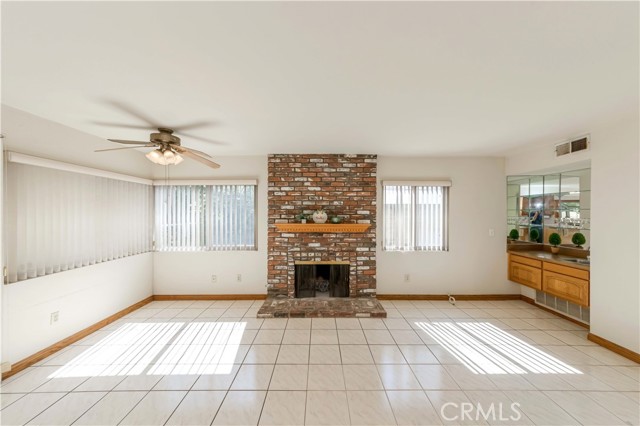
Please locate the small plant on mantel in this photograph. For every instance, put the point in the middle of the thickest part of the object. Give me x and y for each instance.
(578, 239)
(514, 234)
(302, 217)
(555, 239)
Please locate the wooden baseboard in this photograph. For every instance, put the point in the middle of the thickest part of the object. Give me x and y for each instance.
(551, 311)
(209, 297)
(446, 297)
(39, 356)
(613, 347)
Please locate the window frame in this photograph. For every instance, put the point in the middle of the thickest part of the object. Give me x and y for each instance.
(207, 183)
(446, 185)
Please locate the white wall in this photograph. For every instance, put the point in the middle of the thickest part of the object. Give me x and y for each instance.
(475, 263)
(615, 229)
(190, 272)
(82, 297)
(615, 234)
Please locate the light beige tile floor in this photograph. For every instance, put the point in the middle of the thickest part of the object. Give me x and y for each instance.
(206, 362)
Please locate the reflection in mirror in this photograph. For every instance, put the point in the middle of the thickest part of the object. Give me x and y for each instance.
(539, 205)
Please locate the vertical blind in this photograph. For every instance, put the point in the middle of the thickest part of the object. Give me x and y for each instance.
(415, 217)
(205, 217)
(59, 220)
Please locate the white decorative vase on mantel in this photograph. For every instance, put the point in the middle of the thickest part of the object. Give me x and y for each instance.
(319, 216)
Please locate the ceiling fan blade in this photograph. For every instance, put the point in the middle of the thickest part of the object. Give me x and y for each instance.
(126, 142)
(195, 151)
(188, 135)
(193, 125)
(123, 125)
(150, 123)
(132, 111)
(196, 157)
(126, 147)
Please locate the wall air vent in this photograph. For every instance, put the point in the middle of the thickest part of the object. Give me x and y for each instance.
(563, 149)
(579, 145)
(571, 147)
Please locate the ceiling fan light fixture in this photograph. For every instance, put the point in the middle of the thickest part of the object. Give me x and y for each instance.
(155, 156)
(169, 156)
(164, 157)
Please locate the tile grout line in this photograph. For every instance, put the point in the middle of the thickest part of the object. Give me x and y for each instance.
(93, 405)
(49, 406)
(264, 401)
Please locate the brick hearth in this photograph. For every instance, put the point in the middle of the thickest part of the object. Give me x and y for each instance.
(344, 307)
(345, 186)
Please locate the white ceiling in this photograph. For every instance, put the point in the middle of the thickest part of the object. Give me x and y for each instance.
(389, 78)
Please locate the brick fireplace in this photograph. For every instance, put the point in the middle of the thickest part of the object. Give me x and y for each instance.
(345, 186)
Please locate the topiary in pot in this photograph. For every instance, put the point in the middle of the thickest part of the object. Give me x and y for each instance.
(555, 239)
(578, 239)
(534, 234)
(514, 234)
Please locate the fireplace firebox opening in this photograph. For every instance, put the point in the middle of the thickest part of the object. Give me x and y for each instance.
(317, 279)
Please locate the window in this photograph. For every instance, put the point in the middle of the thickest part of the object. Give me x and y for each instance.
(60, 220)
(205, 217)
(415, 216)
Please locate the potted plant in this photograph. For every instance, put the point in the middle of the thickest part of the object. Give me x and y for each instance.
(302, 217)
(534, 234)
(555, 239)
(578, 239)
(514, 234)
(335, 219)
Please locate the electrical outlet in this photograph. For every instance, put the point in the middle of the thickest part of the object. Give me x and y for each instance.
(239, 277)
(214, 279)
(407, 278)
(55, 316)
(492, 232)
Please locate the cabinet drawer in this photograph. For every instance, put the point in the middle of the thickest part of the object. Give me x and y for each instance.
(525, 260)
(569, 288)
(566, 270)
(526, 275)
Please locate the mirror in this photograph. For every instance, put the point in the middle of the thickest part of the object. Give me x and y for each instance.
(539, 205)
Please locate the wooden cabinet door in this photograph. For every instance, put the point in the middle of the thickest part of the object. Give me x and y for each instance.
(525, 274)
(569, 288)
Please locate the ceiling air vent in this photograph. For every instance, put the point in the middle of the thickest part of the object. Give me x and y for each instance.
(577, 145)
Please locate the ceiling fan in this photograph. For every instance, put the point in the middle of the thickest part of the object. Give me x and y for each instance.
(168, 149)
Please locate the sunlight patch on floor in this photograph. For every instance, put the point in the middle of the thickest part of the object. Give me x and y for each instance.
(485, 349)
(160, 348)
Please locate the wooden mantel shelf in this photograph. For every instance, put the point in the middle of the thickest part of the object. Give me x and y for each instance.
(323, 228)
